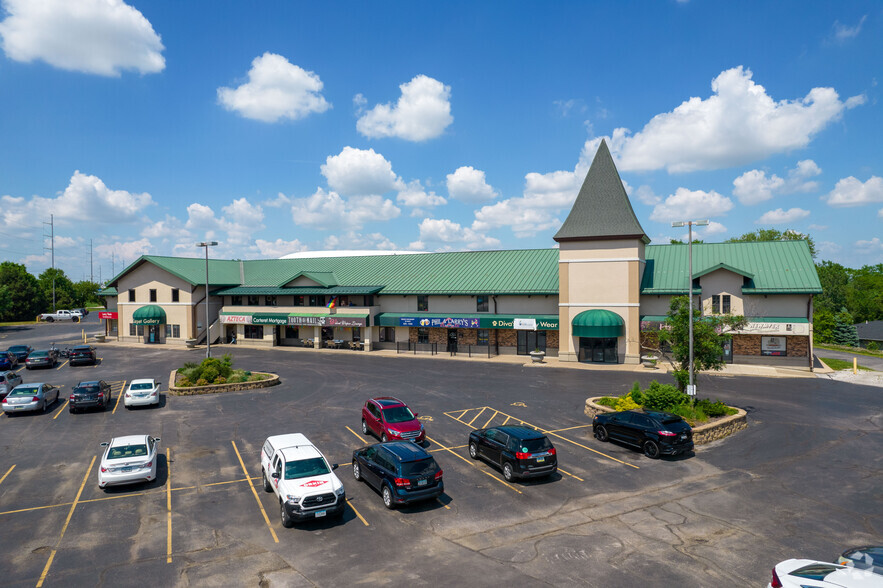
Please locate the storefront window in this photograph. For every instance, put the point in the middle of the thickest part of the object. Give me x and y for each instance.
(481, 303)
(236, 300)
(387, 334)
(136, 330)
(483, 337)
(173, 331)
(291, 332)
(298, 300)
(422, 303)
(317, 301)
(530, 341)
(357, 333)
(269, 300)
(254, 331)
(422, 335)
(253, 301)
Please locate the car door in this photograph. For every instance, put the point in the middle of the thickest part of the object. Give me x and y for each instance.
(277, 469)
(373, 418)
(369, 467)
(105, 389)
(617, 424)
(491, 446)
(641, 426)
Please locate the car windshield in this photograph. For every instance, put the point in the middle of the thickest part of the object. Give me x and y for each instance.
(398, 414)
(19, 391)
(86, 389)
(80, 350)
(18, 348)
(123, 451)
(669, 419)
(424, 467)
(141, 386)
(40, 354)
(305, 468)
(535, 445)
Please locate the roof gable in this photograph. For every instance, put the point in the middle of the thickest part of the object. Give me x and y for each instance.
(724, 266)
(309, 278)
(602, 209)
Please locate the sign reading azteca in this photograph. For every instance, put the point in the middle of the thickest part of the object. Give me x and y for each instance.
(242, 319)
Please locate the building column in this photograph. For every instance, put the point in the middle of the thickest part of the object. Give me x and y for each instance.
(317, 337)
(370, 334)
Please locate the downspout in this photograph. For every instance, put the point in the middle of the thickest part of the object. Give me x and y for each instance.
(809, 317)
(496, 339)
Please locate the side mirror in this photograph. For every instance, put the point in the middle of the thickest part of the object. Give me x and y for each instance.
(105, 444)
(157, 439)
(275, 475)
(416, 414)
(334, 466)
(157, 384)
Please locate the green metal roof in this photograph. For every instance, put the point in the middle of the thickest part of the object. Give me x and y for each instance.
(296, 291)
(598, 322)
(108, 292)
(770, 267)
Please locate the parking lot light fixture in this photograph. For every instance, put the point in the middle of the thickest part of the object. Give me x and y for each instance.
(208, 342)
(689, 224)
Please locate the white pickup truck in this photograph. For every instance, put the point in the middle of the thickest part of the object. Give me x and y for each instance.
(61, 315)
(302, 479)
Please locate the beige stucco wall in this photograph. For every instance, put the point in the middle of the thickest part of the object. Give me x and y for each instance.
(722, 282)
(779, 305)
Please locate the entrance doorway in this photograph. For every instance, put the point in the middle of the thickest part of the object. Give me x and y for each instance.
(452, 340)
(152, 334)
(598, 350)
(530, 341)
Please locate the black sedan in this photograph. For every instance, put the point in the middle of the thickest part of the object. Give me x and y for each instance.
(403, 472)
(655, 433)
(83, 354)
(20, 351)
(95, 394)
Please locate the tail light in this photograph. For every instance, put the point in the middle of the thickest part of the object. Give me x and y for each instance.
(148, 464)
(438, 475)
(103, 469)
(403, 482)
(775, 582)
(4, 400)
(667, 434)
(553, 452)
(35, 399)
(71, 398)
(520, 455)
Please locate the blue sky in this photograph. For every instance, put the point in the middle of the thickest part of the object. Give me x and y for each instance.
(277, 127)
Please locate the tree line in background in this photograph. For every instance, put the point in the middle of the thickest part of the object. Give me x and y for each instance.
(24, 296)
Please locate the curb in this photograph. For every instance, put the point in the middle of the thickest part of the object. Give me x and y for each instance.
(220, 388)
(702, 434)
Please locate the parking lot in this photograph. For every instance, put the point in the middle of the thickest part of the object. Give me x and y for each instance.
(802, 481)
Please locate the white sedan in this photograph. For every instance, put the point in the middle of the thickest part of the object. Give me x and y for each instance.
(142, 392)
(128, 460)
(800, 573)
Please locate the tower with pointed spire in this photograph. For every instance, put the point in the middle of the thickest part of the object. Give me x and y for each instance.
(600, 266)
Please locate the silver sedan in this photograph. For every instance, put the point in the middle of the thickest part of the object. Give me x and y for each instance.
(29, 397)
(8, 381)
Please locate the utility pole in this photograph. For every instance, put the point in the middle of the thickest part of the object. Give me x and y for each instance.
(51, 224)
(91, 271)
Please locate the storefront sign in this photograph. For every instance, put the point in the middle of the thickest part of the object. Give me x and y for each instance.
(269, 319)
(488, 322)
(777, 328)
(346, 321)
(240, 319)
(307, 321)
(523, 324)
(444, 323)
(527, 324)
(106, 314)
(772, 345)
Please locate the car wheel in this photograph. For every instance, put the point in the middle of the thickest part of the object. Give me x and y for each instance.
(383, 438)
(601, 433)
(287, 521)
(49, 319)
(387, 498)
(267, 486)
(364, 427)
(473, 451)
(508, 473)
(357, 472)
(651, 449)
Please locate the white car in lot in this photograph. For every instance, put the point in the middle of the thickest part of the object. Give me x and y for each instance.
(141, 393)
(128, 460)
(808, 573)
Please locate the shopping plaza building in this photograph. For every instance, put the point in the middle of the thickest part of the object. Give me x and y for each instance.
(596, 297)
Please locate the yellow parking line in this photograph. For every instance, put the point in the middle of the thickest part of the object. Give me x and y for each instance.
(62, 365)
(9, 471)
(20, 369)
(66, 523)
(505, 483)
(569, 428)
(356, 434)
(446, 448)
(60, 410)
(507, 420)
(169, 502)
(255, 492)
(496, 412)
(571, 475)
(592, 450)
(119, 397)
(358, 514)
(442, 503)
(469, 424)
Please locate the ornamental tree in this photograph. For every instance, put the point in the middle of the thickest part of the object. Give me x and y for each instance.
(709, 335)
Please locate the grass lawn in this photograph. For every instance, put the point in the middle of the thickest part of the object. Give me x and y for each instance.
(840, 364)
(855, 350)
(17, 323)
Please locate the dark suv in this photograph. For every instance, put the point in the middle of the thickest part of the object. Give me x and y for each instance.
(83, 354)
(402, 471)
(95, 394)
(656, 433)
(518, 451)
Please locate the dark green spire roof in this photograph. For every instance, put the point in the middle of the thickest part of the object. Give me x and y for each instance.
(602, 209)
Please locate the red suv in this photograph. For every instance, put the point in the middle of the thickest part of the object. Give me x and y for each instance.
(390, 419)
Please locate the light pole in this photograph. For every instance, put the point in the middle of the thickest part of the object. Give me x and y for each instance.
(691, 390)
(208, 341)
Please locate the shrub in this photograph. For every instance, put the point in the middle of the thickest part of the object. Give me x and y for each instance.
(210, 373)
(872, 346)
(184, 383)
(607, 401)
(626, 403)
(636, 393)
(689, 413)
(663, 397)
(221, 380)
(713, 409)
(201, 382)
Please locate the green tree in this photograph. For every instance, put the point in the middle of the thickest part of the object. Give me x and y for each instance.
(845, 332)
(26, 298)
(775, 235)
(835, 280)
(709, 335)
(86, 294)
(679, 242)
(64, 288)
(823, 326)
(5, 300)
(864, 293)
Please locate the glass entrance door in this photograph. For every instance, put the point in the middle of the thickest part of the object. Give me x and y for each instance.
(452, 340)
(597, 350)
(529, 341)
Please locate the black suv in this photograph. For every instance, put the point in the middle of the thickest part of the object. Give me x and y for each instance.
(656, 433)
(402, 471)
(520, 452)
(83, 354)
(90, 394)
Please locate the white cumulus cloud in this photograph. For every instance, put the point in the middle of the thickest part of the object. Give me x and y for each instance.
(872, 246)
(524, 219)
(103, 37)
(853, 192)
(687, 204)
(328, 210)
(469, 185)
(276, 89)
(279, 247)
(360, 172)
(355, 240)
(416, 197)
(124, 251)
(755, 186)
(451, 235)
(739, 123)
(781, 216)
(422, 112)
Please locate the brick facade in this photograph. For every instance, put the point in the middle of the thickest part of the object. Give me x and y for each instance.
(795, 346)
(501, 337)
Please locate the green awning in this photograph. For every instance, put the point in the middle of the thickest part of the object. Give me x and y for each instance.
(543, 322)
(149, 315)
(598, 323)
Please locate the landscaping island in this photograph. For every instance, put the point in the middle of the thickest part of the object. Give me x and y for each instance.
(213, 376)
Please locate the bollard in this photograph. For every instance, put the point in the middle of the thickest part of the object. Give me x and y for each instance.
(854, 365)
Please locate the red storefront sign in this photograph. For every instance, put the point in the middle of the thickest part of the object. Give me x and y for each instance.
(107, 315)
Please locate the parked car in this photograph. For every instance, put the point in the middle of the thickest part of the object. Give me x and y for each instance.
(83, 312)
(29, 397)
(8, 381)
(128, 460)
(21, 352)
(303, 480)
(655, 433)
(863, 558)
(806, 573)
(401, 471)
(142, 392)
(8, 360)
(519, 452)
(93, 394)
(60, 315)
(390, 419)
(48, 358)
(83, 354)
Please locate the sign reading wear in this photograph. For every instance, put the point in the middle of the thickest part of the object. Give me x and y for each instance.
(106, 314)
(240, 319)
(269, 319)
(523, 324)
(772, 346)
